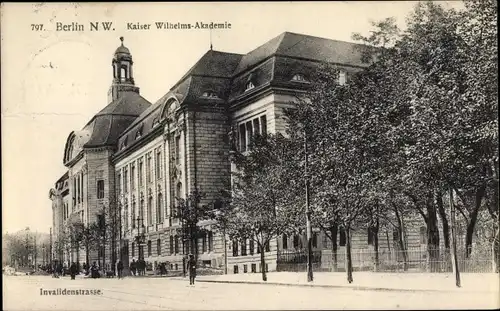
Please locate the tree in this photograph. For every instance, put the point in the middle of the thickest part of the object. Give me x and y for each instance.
(262, 202)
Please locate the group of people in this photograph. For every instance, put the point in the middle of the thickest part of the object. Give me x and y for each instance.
(138, 267)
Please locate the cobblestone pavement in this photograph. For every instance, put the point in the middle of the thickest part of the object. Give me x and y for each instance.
(23, 293)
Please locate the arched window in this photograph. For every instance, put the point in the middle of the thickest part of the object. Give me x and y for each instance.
(285, 241)
(209, 94)
(123, 74)
(299, 78)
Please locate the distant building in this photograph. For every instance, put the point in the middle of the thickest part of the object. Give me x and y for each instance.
(135, 157)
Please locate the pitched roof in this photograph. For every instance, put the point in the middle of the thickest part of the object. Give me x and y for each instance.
(214, 64)
(306, 47)
(129, 103)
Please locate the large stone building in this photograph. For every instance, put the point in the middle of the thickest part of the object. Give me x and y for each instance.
(137, 158)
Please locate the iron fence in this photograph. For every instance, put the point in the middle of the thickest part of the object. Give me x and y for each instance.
(411, 260)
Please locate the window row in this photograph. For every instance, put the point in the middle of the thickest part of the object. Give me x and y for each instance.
(253, 268)
(252, 247)
(297, 241)
(248, 130)
(123, 180)
(137, 217)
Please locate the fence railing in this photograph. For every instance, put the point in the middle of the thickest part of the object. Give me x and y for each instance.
(411, 260)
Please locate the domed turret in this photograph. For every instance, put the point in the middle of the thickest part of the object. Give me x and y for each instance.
(123, 79)
(122, 51)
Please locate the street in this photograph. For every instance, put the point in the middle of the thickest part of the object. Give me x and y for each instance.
(23, 293)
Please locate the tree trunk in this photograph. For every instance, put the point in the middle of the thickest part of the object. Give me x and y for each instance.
(401, 237)
(374, 232)
(446, 230)
(473, 220)
(334, 230)
(432, 237)
(454, 259)
(262, 262)
(496, 250)
(348, 254)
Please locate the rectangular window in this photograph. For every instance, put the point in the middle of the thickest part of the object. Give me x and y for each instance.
(171, 245)
(235, 248)
(285, 241)
(342, 77)
(254, 268)
(423, 235)
(133, 214)
(100, 189)
(342, 237)
(268, 246)
(263, 125)
(125, 180)
(249, 134)
(133, 249)
(141, 173)
(204, 243)
(148, 168)
(158, 246)
(176, 245)
(251, 246)
(210, 241)
(244, 247)
(149, 249)
(256, 126)
(132, 176)
(245, 269)
(315, 240)
(243, 138)
(158, 164)
(370, 236)
(119, 183)
(177, 149)
(296, 239)
(235, 269)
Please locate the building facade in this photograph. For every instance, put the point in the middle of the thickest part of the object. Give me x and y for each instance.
(134, 158)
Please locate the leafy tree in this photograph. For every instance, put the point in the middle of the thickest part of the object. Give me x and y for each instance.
(262, 203)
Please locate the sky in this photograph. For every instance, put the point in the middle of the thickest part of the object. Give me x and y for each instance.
(53, 82)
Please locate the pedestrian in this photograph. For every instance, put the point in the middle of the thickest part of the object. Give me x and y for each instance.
(73, 270)
(191, 269)
(119, 267)
(133, 267)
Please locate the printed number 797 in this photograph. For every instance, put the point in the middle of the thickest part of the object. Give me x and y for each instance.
(36, 27)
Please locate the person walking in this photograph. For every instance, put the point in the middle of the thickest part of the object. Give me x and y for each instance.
(191, 269)
(73, 270)
(119, 267)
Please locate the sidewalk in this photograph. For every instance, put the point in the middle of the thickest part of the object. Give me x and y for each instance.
(471, 282)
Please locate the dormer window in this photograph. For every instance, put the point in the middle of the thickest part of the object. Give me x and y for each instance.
(124, 144)
(342, 77)
(249, 86)
(299, 78)
(139, 132)
(156, 121)
(209, 94)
